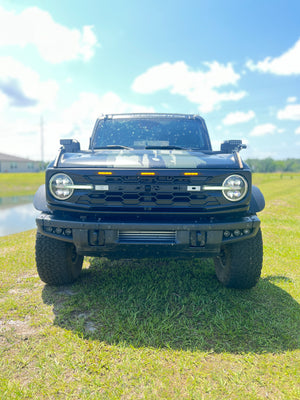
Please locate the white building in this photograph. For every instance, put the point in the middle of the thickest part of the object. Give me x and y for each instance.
(10, 163)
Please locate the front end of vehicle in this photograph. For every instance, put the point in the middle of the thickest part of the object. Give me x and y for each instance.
(105, 212)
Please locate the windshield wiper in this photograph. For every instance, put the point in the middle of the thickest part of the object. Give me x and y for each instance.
(164, 148)
(114, 146)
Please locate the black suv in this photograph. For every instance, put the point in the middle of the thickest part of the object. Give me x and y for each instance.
(149, 185)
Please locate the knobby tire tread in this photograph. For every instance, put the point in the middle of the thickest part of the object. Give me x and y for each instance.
(242, 264)
(53, 261)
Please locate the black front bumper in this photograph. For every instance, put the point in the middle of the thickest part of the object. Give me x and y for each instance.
(139, 240)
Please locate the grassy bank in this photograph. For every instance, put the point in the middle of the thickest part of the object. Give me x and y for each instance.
(20, 184)
(156, 329)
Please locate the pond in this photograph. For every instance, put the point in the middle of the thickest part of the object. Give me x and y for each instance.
(17, 214)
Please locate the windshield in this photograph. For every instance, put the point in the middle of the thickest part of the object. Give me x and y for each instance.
(143, 133)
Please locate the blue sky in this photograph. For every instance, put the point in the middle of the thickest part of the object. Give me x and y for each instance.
(236, 63)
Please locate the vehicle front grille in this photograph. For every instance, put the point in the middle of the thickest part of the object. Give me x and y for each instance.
(140, 192)
(160, 192)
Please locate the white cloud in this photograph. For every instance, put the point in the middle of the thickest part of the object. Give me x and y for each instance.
(22, 136)
(264, 129)
(291, 111)
(89, 106)
(199, 87)
(297, 131)
(20, 86)
(77, 121)
(55, 42)
(238, 117)
(291, 99)
(286, 64)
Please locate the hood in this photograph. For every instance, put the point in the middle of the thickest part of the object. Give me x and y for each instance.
(147, 159)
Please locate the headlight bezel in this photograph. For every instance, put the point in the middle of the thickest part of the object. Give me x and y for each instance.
(66, 185)
(231, 188)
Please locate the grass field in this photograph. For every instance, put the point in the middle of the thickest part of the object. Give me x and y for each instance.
(20, 184)
(144, 329)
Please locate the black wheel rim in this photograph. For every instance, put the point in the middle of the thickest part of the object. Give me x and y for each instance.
(223, 258)
(74, 255)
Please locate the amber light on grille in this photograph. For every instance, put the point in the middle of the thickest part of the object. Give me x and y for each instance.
(147, 173)
(190, 173)
(104, 173)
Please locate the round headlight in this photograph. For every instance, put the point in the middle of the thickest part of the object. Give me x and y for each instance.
(61, 186)
(235, 188)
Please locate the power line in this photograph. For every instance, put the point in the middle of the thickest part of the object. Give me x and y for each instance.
(42, 137)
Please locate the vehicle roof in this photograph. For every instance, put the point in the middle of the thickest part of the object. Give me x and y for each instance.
(150, 115)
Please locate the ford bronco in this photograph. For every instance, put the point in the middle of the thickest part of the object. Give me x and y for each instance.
(149, 185)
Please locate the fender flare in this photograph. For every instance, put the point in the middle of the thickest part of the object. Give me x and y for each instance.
(257, 202)
(39, 200)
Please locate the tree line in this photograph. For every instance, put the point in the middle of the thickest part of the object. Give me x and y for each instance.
(270, 165)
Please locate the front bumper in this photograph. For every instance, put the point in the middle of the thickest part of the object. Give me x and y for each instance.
(134, 240)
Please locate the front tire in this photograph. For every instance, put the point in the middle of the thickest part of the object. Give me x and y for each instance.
(57, 262)
(239, 264)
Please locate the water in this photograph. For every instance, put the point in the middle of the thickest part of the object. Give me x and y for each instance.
(17, 214)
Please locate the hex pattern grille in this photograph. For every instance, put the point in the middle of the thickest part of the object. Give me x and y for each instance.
(136, 191)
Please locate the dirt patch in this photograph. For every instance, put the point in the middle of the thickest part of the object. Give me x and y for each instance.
(26, 276)
(19, 291)
(19, 327)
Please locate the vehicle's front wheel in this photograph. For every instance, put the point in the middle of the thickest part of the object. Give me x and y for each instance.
(239, 264)
(57, 262)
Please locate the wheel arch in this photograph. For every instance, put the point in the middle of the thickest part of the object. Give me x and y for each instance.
(39, 200)
(257, 202)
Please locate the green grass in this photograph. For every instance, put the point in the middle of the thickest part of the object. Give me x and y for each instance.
(20, 184)
(144, 329)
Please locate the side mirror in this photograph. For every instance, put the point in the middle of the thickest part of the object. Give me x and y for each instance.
(230, 146)
(70, 145)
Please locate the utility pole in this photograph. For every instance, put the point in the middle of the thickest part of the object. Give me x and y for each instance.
(42, 137)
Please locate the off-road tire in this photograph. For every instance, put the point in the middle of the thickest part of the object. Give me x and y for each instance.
(57, 262)
(239, 264)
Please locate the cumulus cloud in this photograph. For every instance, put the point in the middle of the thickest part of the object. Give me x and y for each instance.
(76, 121)
(264, 129)
(200, 87)
(238, 117)
(12, 89)
(22, 87)
(90, 105)
(20, 136)
(55, 42)
(297, 131)
(290, 112)
(287, 63)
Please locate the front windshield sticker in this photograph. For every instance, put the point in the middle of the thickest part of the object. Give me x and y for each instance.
(144, 143)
